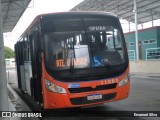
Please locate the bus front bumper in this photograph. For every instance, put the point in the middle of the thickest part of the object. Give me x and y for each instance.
(55, 100)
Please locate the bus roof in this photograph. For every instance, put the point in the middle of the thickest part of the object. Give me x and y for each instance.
(37, 18)
(80, 13)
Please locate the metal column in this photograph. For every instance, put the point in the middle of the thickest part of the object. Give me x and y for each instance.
(129, 26)
(3, 81)
(136, 30)
(142, 25)
(152, 20)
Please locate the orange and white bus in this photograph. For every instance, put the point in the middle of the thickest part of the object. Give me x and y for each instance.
(73, 59)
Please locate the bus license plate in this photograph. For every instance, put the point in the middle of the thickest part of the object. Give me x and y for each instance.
(94, 97)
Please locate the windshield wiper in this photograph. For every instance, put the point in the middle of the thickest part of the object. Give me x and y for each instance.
(106, 63)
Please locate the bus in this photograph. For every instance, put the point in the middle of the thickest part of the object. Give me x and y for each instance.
(73, 59)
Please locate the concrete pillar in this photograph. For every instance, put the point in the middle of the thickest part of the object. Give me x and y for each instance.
(136, 29)
(3, 81)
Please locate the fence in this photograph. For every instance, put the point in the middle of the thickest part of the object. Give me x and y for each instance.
(131, 55)
(153, 54)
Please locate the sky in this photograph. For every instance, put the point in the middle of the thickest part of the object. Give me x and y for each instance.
(35, 8)
(48, 6)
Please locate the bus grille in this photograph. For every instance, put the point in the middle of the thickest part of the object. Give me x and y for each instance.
(88, 89)
(83, 100)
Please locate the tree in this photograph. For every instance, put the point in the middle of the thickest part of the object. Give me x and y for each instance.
(9, 53)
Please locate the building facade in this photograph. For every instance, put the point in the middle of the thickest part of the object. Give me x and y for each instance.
(149, 41)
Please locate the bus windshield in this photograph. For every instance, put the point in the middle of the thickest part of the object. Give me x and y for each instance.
(83, 43)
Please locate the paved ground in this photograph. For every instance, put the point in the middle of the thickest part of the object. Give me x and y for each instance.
(144, 96)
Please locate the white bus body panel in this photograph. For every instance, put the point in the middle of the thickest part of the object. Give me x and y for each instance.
(28, 75)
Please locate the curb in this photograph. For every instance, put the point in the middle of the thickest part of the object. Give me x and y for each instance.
(19, 104)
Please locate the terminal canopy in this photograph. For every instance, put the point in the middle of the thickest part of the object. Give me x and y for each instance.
(148, 10)
(12, 10)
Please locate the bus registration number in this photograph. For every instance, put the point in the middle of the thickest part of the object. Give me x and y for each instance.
(94, 97)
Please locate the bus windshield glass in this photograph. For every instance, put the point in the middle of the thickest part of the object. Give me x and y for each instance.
(83, 43)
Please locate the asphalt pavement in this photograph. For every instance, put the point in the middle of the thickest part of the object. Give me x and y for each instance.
(144, 96)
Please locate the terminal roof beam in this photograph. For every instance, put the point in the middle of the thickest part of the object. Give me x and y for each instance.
(146, 9)
(12, 10)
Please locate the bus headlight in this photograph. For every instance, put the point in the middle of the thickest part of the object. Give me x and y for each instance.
(124, 81)
(54, 88)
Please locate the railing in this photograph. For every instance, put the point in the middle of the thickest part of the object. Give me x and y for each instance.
(131, 55)
(153, 54)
